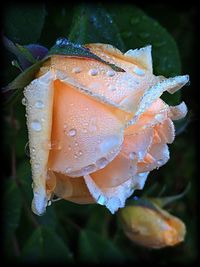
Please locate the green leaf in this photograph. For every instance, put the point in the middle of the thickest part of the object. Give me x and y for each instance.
(12, 207)
(93, 24)
(24, 78)
(44, 245)
(65, 47)
(94, 248)
(23, 23)
(26, 53)
(139, 30)
(141, 202)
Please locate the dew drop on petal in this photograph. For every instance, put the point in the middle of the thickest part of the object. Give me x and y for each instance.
(68, 169)
(72, 132)
(76, 143)
(101, 163)
(39, 104)
(159, 117)
(138, 71)
(111, 88)
(93, 72)
(110, 73)
(76, 70)
(132, 155)
(160, 161)
(80, 153)
(36, 125)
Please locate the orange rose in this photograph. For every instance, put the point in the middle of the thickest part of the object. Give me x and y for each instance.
(95, 133)
(152, 228)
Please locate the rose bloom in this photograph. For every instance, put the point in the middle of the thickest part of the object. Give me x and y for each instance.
(96, 133)
(151, 228)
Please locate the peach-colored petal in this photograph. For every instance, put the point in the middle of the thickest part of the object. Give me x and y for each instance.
(178, 112)
(160, 154)
(121, 169)
(155, 114)
(120, 89)
(166, 131)
(139, 180)
(136, 145)
(142, 55)
(88, 133)
(39, 97)
(154, 92)
(113, 197)
(71, 189)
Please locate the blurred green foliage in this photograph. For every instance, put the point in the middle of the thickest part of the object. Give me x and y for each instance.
(68, 232)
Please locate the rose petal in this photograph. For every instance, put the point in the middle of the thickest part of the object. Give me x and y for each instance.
(119, 89)
(166, 131)
(113, 198)
(39, 97)
(121, 169)
(155, 114)
(139, 180)
(160, 153)
(137, 144)
(153, 93)
(142, 55)
(178, 112)
(88, 132)
(71, 189)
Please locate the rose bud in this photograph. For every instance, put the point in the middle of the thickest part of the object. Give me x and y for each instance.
(153, 228)
(94, 132)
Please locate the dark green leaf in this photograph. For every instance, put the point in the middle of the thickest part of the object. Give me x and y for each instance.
(45, 245)
(65, 47)
(93, 24)
(23, 23)
(24, 78)
(94, 248)
(12, 207)
(26, 53)
(138, 30)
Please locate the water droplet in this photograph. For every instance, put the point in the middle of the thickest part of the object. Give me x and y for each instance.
(62, 41)
(132, 155)
(159, 117)
(75, 156)
(39, 104)
(24, 101)
(138, 71)
(36, 126)
(33, 149)
(76, 70)
(80, 153)
(90, 168)
(93, 72)
(68, 169)
(101, 200)
(160, 161)
(110, 73)
(37, 165)
(72, 132)
(101, 163)
(112, 88)
(140, 155)
(109, 144)
(76, 144)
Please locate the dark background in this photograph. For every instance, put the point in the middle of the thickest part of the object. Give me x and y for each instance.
(72, 233)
